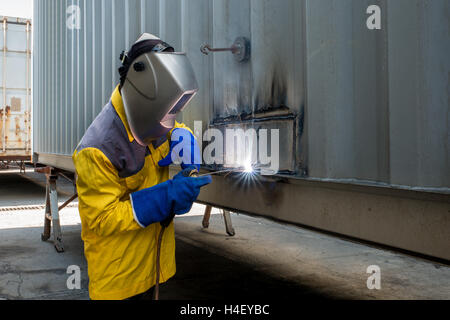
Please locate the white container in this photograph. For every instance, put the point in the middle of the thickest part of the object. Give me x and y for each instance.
(15, 89)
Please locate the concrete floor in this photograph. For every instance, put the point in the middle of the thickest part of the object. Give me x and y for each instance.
(265, 260)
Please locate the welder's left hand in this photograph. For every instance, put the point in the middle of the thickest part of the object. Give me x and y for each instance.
(184, 150)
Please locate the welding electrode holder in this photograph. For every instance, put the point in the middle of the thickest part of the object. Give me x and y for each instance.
(192, 174)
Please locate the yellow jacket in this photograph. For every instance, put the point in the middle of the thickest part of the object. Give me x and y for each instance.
(109, 166)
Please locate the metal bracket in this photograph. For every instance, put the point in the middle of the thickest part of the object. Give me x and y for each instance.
(227, 219)
(51, 216)
(240, 49)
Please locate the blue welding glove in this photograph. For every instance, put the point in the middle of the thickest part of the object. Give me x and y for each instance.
(176, 196)
(184, 150)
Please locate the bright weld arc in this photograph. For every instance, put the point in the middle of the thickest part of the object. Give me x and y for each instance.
(247, 169)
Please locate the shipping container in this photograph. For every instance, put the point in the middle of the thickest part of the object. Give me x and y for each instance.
(15, 89)
(363, 113)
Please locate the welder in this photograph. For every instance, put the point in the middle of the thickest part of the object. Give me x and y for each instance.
(123, 177)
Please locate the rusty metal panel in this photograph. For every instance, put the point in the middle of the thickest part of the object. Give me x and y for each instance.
(15, 88)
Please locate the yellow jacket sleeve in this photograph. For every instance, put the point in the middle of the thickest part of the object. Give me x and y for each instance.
(102, 207)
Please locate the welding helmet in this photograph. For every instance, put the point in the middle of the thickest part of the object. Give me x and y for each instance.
(156, 84)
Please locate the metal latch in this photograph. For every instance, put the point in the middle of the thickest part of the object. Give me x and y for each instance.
(240, 49)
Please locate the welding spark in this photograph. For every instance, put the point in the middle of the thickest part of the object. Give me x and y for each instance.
(246, 175)
(248, 168)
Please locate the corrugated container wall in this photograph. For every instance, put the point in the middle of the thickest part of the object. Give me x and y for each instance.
(352, 104)
(15, 89)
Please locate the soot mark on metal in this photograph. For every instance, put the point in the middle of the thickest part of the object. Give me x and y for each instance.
(270, 100)
(273, 95)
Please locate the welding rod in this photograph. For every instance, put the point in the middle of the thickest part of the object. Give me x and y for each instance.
(218, 172)
(222, 171)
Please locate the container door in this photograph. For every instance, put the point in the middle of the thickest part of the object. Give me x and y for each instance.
(15, 87)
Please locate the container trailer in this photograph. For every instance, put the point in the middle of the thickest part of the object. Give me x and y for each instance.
(362, 113)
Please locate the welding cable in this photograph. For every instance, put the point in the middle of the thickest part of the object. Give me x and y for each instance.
(158, 261)
(193, 173)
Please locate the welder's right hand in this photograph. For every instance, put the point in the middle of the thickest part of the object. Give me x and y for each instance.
(187, 189)
(175, 196)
